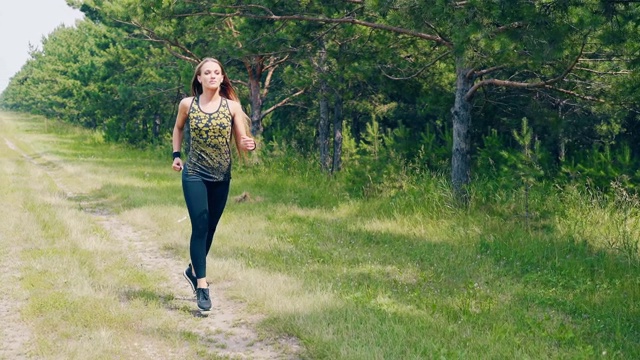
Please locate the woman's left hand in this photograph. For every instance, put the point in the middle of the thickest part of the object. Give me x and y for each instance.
(248, 143)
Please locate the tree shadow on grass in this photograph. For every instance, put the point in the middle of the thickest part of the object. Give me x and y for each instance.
(596, 292)
(526, 296)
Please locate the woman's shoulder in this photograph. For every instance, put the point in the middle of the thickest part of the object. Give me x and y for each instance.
(187, 101)
(233, 104)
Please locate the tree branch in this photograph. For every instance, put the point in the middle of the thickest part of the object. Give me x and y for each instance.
(419, 71)
(344, 20)
(525, 85)
(623, 72)
(432, 27)
(276, 63)
(515, 25)
(575, 94)
(243, 83)
(267, 81)
(487, 71)
(281, 103)
(152, 36)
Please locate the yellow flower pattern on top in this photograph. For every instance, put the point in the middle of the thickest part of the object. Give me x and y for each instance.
(210, 138)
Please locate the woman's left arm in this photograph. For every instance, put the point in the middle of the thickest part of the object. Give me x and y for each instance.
(244, 142)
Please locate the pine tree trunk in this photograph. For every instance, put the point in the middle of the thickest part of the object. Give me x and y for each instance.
(323, 126)
(338, 120)
(255, 68)
(337, 135)
(157, 123)
(461, 111)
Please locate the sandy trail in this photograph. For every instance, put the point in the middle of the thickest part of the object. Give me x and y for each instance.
(229, 328)
(14, 333)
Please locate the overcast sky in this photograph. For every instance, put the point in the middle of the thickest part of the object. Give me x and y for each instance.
(27, 21)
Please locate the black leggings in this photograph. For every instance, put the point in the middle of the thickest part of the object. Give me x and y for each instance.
(205, 202)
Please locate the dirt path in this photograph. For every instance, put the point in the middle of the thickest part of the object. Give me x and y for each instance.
(228, 332)
(14, 333)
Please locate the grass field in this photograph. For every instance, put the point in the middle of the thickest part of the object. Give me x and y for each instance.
(404, 275)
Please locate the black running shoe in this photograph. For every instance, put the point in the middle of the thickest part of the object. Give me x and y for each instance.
(203, 299)
(188, 274)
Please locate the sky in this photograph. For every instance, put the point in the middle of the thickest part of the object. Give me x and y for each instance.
(27, 21)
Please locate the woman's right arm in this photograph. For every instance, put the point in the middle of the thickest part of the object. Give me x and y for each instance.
(178, 130)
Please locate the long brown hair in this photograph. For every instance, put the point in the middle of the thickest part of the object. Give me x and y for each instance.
(226, 88)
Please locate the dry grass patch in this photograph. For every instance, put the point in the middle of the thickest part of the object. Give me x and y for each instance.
(266, 292)
(277, 294)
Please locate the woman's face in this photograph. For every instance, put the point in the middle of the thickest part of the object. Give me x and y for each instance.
(210, 75)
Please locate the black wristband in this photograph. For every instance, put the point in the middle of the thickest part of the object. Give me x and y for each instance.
(176, 154)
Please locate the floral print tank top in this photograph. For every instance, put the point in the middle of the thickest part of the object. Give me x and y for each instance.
(210, 138)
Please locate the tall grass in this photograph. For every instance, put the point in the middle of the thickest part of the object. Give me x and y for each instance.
(402, 274)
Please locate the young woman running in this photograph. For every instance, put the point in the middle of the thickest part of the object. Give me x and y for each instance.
(213, 115)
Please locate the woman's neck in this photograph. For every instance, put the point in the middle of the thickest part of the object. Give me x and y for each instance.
(210, 95)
